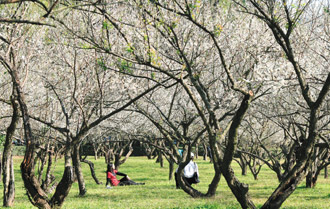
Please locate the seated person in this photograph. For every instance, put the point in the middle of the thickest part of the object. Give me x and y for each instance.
(190, 173)
(112, 177)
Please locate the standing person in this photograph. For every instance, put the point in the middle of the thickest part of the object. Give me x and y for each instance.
(122, 182)
(190, 173)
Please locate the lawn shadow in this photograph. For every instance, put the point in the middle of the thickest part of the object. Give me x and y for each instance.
(315, 197)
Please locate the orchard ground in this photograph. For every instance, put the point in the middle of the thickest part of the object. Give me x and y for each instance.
(159, 192)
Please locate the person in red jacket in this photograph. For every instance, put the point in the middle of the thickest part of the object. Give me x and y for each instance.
(112, 177)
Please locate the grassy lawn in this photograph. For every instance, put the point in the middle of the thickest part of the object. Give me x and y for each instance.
(159, 192)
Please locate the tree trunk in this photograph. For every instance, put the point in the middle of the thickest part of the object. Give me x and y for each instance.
(91, 166)
(184, 185)
(214, 154)
(243, 165)
(77, 170)
(160, 159)
(195, 193)
(326, 172)
(107, 156)
(190, 190)
(240, 190)
(171, 169)
(310, 180)
(96, 148)
(95, 154)
(312, 176)
(36, 195)
(9, 185)
(43, 159)
(299, 171)
(196, 151)
(64, 186)
(7, 160)
(205, 152)
(118, 155)
(49, 177)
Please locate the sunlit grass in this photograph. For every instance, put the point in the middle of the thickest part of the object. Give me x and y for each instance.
(159, 192)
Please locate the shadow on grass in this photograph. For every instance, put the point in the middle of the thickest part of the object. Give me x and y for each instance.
(141, 179)
(93, 196)
(302, 188)
(207, 206)
(316, 197)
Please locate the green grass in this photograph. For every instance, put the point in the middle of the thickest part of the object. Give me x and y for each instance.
(159, 192)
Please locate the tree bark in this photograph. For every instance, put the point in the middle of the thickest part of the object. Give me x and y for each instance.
(310, 180)
(240, 190)
(7, 160)
(160, 159)
(119, 153)
(326, 172)
(196, 151)
(9, 185)
(184, 185)
(64, 186)
(304, 154)
(205, 154)
(290, 182)
(190, 190)
(36, 195)
(243, 164)
(49, 177)
(214, 183)
(43, 159)
(311, 176)
(171, 169)
(78, 171)
(91, 166)
(95, 154)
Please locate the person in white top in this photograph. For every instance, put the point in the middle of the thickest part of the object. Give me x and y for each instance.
(190, 173)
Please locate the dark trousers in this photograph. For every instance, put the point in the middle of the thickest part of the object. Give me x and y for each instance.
(125, 182)
(108, 182)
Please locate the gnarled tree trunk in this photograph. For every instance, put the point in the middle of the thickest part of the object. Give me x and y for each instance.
(91, 166)
(64, 186)
(326, 172)
(240, 190)
(160, 159)
(205, 153)
(78, 171)
(7, 160)
(118, 153)
(171, 169)
(49, 176)
(36, 194)
(295, 176)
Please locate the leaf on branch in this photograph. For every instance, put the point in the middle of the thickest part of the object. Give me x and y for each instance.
(124, 66)
(101, 63)
(218, 29)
